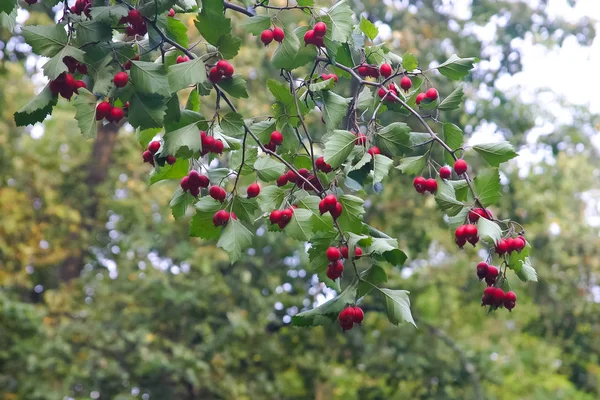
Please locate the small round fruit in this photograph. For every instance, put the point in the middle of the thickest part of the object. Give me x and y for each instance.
(135, 17)
(253, 190)
(359, 315)
(215, 75)
(320, 29)
(482, 269)
(498, 297)
(487, 299)
(278, 34)
(276, 137)
(420, 97)
(385, 70)
(502, 247)
(322, 208)
(147, 157)
(217, 146)
(309, 37)
(185, 183)
(330, 201)
(445, 172)
(510, 300)
(470, 230)
(460, 232)
(275, 216)
(431, 94)
(116, 114)
(431, 185)
(286, 215)
(220, 218)
(121, 79)
(322, 165)
(333, 254)
(475, 213)
(154, 146)
(361, 139)
(363, 71)
(217, 193)
(405, 83)
(460, 166)
(335, 269)
(490, 275)
(347, 314)
(282, 180)
(420, 184)
(373, 151)
(102, 110)
(171, 159)
(337, 211)
(171, 13)
(291, 176)
(266, 36)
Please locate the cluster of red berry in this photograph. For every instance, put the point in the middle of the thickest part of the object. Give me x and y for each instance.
(80, 7)
(282, 217)
(171, 13)
(75, 66)
(182, 59)
(120, 79)
(316, 35)
(322, 165)
(349, 316)
(153, 147)
(105, 110)
(210, 144)
(296, 179)
(329, 76)
(135, 23)
(221, 217)
(430, 95)
(496, 298)
(268, 35)
(388, 95)
(193, 181)
(336, 265)
(466, 233)
(423, 185)
(509, 245)
(66, 85)
(366, 70)
(332, 205)
(275, 140)
(222, 70)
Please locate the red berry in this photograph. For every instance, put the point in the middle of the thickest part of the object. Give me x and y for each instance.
(147, 157)
(135, 17)
(217, 193)
(359, 315)
(335, 269)
(473, 240)
(218, 146)
(309, 37)
(320, 29)
(431, 185)
(431, 94)
(381, 92)
(460, 166)
(282, 180)
(374, 150)
(445, 172)
(185, 183)
(322, 208)
(171, 159)
(363, 71)
(82, 68)
(345, 252)
(121, 79)
(278, 34)
(181, 59)
(79, 84)
(154, 146)
(361, 139)
(460, 242)
(202, 181)
(420, 97)
(502, 247)
(330, 202)
(276, 137)
(487, 299)
(337, 211)
(194, 178)
(220, 218)
(275, 216)
(460, 232)
(347, 314)
(470, 230)
(385, 70)
(519, 243)
(510, 297)
(171, 13)
(475, 213)
(303, 172)
(490, 275)
(215, 75)
(498, 297)
(482, 269)
(253, 190)
(70, 81)
(286, 215)
(116, 113)
(291, 176)
(266, 36)
(322, 165)
(405, 83)
(420, 184)
(333, 254)
(329, 76)
(102, 110)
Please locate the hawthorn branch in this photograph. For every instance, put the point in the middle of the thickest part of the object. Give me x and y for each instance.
(240, 9)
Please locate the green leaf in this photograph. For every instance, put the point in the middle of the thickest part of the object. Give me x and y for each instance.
(85, 114)
(461, 188)
(175, 30)
(394, 139)
(175, 171)
(256, 24)
(409, 61)
(374, 276)
(150, 78)
(193, 101)
(320, 223)
(250, 156)
(300, 226)
(452, 102)
(446, 199)
(186, 74)
(55, 66)
(487, 186)
(352, 213)
(524, 270)
(103, 80)
(8, 21)
(328, 311)
(46, 40)
(7, 6)
(453, 137)
(146, 111)
(270, 198)
(397, 305)
(236, 87)
(268, 169)
(458, 219)
(212, 23)
(245, 209)
(305, 54)
(327, 84)
(184, 136)
(229, 46)
(413, 165)
(381, 167)
(489, 229)
(37, 109)
(305, 3)
(201, 224)
(234, 239)
(145, 136)
(368, 28)
(341, 16)
(495, 153)
(263, 129)
(284, 56)
(232, 125)
(290, 140)
(108, 14)
(338, 147)
(365, 99)
(91, 31)
(457, 68)
(388, 250)
(334, 109)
